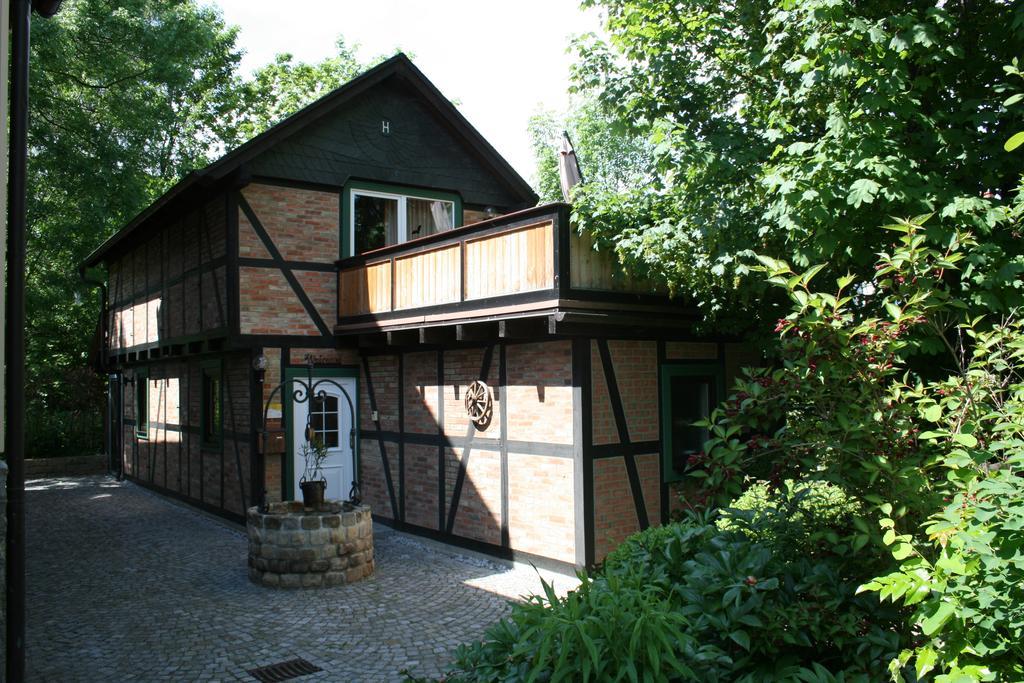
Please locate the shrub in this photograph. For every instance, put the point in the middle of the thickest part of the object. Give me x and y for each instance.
(776, 615)
(612, 627)
(693, 601)
(649, 545)
(832, 469)
(807, 517)
(60, 433)
(915, 408)
(64, 413)
(964, 576)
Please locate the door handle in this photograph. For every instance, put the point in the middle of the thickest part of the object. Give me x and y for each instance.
(352, 439)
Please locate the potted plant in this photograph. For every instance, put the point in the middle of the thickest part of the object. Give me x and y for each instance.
(313, 483)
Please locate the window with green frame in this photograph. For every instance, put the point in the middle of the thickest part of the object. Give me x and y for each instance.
(142, 404)
(380, 215)
(689, 391)
(211, 413)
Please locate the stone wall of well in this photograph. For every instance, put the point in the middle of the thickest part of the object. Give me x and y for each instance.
(295, 547)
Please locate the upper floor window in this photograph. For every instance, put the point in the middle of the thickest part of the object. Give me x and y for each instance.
(380, 219)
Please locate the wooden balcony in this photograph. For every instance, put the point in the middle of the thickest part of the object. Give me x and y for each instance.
(525, 265)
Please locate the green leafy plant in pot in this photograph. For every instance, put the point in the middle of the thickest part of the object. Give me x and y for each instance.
(313, 483)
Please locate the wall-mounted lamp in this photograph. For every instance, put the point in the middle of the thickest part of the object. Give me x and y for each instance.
(259, 364)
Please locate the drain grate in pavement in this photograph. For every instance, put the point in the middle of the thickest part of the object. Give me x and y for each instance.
(284, 671)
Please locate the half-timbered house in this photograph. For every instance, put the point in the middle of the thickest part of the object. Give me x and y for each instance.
(513, 392)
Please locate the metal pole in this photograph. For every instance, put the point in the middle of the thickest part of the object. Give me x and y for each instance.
(14, 446)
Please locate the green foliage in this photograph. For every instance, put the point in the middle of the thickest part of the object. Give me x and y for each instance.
(965, 573)
(544, 130)
(793, 128)
(314, 454)
(72, 423)
(126, 97)
(284, 86)
(651, 538)
(917, 416)
(797, 517)
(841, 407)
(692, 601)
(611, 156)
(618, 627)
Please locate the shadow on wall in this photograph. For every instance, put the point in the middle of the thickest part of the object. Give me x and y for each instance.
(459, 479)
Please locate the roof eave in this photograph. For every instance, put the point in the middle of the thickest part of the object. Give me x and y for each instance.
(228, 163)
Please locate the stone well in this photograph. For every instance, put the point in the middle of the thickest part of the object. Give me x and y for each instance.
(295, 547)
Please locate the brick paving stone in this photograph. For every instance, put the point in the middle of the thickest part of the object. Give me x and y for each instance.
(124, 585)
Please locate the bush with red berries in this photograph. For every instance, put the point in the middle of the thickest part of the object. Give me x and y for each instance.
(898, 394)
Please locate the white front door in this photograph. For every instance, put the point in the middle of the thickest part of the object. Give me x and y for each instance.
(331, 418)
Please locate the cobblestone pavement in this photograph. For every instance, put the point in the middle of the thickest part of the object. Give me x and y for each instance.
(124, 585)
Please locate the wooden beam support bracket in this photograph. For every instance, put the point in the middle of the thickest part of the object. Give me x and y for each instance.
(485, 331)
(403, 337)
(523, 328)
(437, 335)
(371, 341)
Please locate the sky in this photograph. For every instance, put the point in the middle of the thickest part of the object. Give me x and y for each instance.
(500, 61)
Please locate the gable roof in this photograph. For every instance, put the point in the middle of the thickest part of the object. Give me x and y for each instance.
(231, 162)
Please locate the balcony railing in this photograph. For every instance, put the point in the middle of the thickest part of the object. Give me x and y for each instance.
(513, 264)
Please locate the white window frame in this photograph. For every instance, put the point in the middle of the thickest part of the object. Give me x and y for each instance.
(403, 235)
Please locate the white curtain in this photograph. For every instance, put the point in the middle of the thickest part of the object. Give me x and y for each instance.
(426, 217)
(442, 217)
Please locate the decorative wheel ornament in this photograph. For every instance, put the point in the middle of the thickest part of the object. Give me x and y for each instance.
(478, 403)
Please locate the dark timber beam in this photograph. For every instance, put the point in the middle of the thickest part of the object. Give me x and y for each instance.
(572, 323)
(349, 341)
(487, 331)
(372, 341)
(437, 335)
(523, 328)
(403, 337)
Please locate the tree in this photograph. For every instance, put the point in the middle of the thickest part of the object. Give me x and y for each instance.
(612, 156)
(126, 98)
(544, 129)
(284, 86)
(794, 128)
